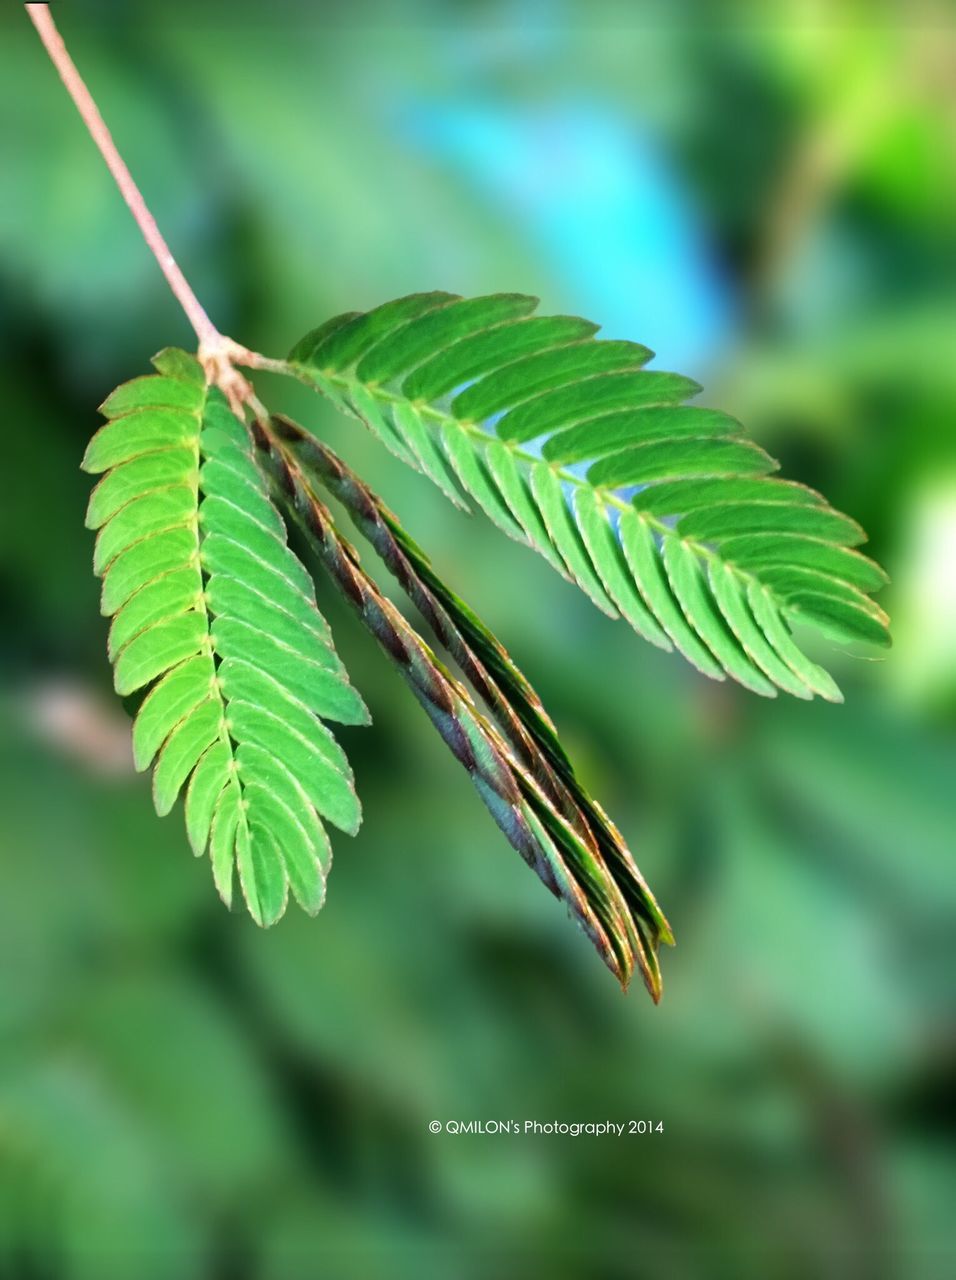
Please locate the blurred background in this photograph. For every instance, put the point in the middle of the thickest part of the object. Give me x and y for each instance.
(765, 195)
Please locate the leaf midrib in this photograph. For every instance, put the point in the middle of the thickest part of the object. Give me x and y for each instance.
(207, 646)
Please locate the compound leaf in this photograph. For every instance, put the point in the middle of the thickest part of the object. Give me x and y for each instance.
(215, 618)
(662, 512)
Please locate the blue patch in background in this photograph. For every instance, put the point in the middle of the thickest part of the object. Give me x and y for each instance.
(603, 210)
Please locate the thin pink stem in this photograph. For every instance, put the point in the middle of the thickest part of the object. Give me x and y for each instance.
(210, 340)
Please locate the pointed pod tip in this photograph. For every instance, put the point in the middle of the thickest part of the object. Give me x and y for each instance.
(653, 982)
(613, 961)
(653, 979)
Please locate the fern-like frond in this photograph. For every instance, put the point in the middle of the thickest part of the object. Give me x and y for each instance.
(489, 668)
(214, 616)
(528, 799)
(662, 512)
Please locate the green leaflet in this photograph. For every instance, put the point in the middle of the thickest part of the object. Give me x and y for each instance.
(489, 349)
(168, 595)
(730, 595)
(670, 459)
(542, 425)
(405, 346)
(840, 618)
(513, 481)
(641, 554)
(756, 551)
(544, 371)
(215, 618)
(608, 556)
(676, 497)
(779, 638)
(549, 496)
(684, 571)
(473, 472)
(156, 648)
(138, 433)
(612, 431)
(156, 512)
(148, 473)
(727, 519)
(169, 701)
(589, 398)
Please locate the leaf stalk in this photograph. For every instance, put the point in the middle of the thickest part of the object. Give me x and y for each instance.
(217, 353)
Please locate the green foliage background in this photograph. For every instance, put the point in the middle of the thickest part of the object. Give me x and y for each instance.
(183, 1095)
